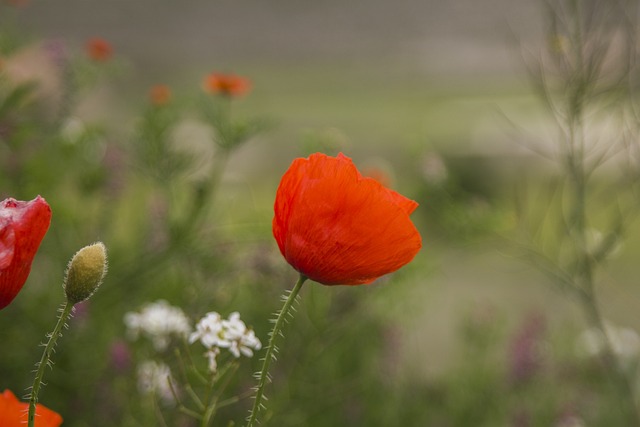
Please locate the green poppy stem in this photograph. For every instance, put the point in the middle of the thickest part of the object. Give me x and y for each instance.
(45, 360)
(271, 349)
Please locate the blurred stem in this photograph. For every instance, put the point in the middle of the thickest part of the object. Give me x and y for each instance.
(45, 360)
(183, 232)
(585, 264)
(585, 279)
(611, 362)
(271, 350)
(181, 407)
(213, 406)
(205, 193)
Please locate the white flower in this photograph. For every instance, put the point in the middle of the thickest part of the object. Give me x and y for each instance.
(625, 342)
(215, 333)
(434, 169)
(158, 321)
(594, 240)
(73, 130)
(209, 331)
(153, 378)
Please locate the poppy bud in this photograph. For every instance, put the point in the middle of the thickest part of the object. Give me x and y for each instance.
(86, 270)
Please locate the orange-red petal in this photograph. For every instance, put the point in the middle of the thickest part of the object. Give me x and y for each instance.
(337, 227)
(160, 95)
(99, 49)
(14, 413)
(22, 228)
(226, 84)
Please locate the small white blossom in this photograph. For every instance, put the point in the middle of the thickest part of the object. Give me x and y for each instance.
(594, 240)
(434, 169)
(215, 333)
(625, 342)
(209, 331)
(157, 321)
(72, 130)
(153, 378)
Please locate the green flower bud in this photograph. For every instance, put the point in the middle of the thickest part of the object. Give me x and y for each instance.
(86, 270)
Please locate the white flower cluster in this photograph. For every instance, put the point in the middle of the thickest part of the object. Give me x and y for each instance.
(158, 321)
(153, 378)
(215, 333)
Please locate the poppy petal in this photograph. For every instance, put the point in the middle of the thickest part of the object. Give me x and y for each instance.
(336, 227)
(14, 413)
(22, 228)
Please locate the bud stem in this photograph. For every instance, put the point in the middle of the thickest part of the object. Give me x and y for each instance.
(263, 375)
(66, 310)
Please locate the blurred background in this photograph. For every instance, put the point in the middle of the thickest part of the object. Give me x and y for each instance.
(434, 98)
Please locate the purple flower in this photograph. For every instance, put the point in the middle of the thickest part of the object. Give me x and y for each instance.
(525, 359)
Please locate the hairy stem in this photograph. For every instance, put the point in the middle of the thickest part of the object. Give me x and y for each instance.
(45, 360)
(263, 375)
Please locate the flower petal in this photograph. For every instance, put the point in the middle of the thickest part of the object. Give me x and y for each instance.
(336, 227)
(7, 243)
(14, 413)
(22, 228)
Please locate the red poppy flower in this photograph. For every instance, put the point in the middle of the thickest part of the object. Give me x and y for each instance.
(160, 95)
(99, 49)
(22, 227)
(337, 227)
(226, 84)
(14, 413)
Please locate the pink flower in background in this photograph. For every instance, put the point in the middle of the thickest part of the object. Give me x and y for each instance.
(525, 358)
(57, 51)
(120, 356)
(22, 228)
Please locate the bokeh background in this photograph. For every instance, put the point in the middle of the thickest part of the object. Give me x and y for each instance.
(434, 96)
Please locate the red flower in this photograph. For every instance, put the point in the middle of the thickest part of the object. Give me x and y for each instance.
(226, 84)
(17, 3)
(22, 227)
(337, 227)
(160, 95)
(14, 413)
(99, 49)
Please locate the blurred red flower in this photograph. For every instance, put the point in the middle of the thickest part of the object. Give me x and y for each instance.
(17, 3)
(14, 413)
(160, 95)
(99, 49)
(226, 84)
(22, 228)
(337, 227)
